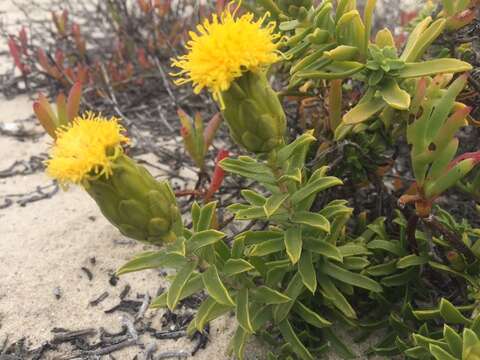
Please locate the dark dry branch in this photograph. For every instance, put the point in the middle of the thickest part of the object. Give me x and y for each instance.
(454, 240)
(25, 167)
(99, 299)
(41, 193)
(72, 335)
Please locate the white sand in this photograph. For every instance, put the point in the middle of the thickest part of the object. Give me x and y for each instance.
(44, 245)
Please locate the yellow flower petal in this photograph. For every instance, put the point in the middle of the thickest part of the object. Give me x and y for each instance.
(85, 149)
(223, 49)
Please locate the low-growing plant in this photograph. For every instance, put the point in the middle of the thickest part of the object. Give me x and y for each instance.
(308, 259)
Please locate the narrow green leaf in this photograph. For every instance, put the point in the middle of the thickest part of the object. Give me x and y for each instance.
(323, 248)
(337, 345)
(400, 279)
(242, 310)
(268, 247)
(194, 285)
(269, 296)
(236, 266)
(215, 287)
(315, 187)
(470, 339)
(238, 343)
(178, 284)
(293, 243)
(307, 271)
(364, 110)
(287, 151)
(312, 219)
(207, 213)
(393, 247)
(433, 67)
(411, 260)
(440, 354)
(253, 197)
(382, 269)
(294, 289)
(310, 316)
(349, 277)
(208, 311)
(331, 292)
(289, 335)
(451, 314)
(151, 261)
(273, 203)
(204, 238)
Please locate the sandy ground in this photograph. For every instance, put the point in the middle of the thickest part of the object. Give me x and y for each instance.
(45, 244)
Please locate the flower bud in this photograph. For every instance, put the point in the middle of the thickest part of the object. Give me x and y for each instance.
(138, 205)
(89, 152)
(254, 114)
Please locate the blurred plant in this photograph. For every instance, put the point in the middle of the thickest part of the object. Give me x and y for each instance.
(458, 13)
(436, 118)
(198, 140)
(19, 51)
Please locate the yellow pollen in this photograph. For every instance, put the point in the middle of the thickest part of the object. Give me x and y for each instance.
(223, 49)
(85, 149)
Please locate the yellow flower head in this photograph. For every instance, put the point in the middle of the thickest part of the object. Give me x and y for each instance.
(223, 49)
(85, 149)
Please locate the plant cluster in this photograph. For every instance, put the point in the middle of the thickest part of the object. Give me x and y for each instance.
(310, 258)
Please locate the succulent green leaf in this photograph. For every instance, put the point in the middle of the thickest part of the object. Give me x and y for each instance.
(393, 95)
(470, 339)
(239, 341)
(454, 341)
(392, 247)
(440, 354)
(364, 110)
(424, 34)
(451, 314)
(433, 67)
(248, 168)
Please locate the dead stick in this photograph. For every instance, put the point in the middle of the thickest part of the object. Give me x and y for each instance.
(451, 237)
